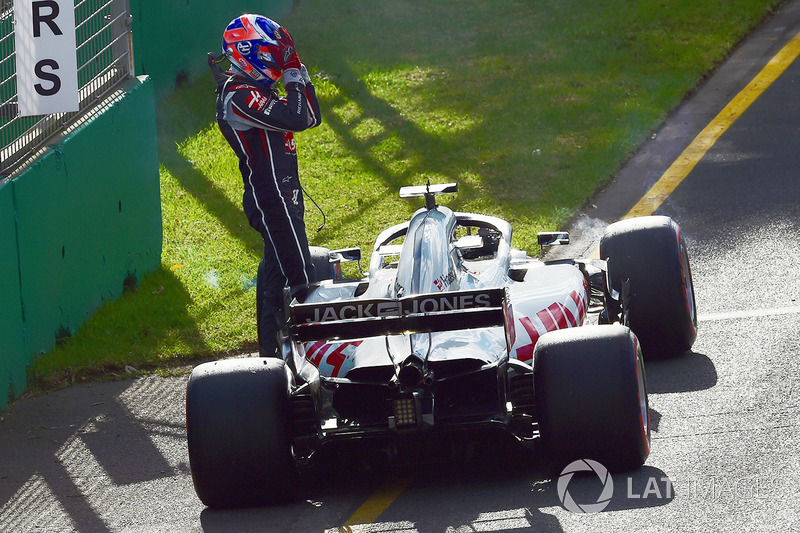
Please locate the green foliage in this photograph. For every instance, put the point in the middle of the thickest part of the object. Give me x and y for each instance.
(531, 106)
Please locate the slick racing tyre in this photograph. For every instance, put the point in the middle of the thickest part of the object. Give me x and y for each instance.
(591, 397)
(649, 253)
(320, 259)
(236, 421)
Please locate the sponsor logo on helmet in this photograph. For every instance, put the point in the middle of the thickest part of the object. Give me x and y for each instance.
(244, 47)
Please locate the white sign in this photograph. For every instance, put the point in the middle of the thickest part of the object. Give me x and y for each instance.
(47, 66)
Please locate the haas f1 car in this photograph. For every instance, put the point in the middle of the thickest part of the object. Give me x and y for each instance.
(452, 331)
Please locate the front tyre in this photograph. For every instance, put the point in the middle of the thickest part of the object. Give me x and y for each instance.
(650, 252)
(237, 428)
(591, 396)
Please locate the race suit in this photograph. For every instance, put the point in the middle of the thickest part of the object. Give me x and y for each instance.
(259, 125)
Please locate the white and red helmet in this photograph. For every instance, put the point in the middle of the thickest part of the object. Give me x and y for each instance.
(256, 45)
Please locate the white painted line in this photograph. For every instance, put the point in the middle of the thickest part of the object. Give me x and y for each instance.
(754, 313)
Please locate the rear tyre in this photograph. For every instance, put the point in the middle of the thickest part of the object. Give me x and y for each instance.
(591, 397)
(237, 426)
(651, 253)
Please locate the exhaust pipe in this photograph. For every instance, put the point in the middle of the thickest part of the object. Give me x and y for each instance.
(412, 373)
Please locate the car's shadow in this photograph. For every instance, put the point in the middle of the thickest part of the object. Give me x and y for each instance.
(499, 486)
(494, 484)
(688, 372)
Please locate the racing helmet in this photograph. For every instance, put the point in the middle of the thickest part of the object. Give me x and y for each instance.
(251, 43)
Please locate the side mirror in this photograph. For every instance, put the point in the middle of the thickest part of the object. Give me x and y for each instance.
(552, 238)
(345, 255)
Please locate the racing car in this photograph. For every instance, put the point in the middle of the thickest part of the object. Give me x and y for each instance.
(450, 332)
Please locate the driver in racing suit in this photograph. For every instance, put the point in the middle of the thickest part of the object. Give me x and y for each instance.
(259, 125)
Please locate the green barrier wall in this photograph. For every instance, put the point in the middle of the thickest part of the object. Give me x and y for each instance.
(86, 216)
(170, 39)
(12, 365)
(88, 221)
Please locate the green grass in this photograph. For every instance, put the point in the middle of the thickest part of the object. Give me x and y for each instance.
(530, 106)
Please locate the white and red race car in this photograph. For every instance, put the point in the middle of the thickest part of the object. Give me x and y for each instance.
(452, 331)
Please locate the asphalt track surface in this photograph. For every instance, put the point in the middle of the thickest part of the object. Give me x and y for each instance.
(726, 446)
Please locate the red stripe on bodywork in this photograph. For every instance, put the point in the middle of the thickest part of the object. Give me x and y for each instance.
(567, 313)
(316, 352)
(558, 315)
(547, 320)
(581, 305)
(525, 353)
(337, 358)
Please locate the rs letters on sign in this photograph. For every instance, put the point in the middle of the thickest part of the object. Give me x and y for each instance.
(47, 67)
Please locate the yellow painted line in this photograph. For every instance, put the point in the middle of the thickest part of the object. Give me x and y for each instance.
(701, 144)
(379, 501)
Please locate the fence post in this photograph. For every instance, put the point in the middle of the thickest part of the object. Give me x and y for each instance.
(121, 29)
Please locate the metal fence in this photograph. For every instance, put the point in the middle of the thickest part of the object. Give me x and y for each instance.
(105, 59)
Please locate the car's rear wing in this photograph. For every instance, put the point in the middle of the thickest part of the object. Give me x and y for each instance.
(357, 318)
